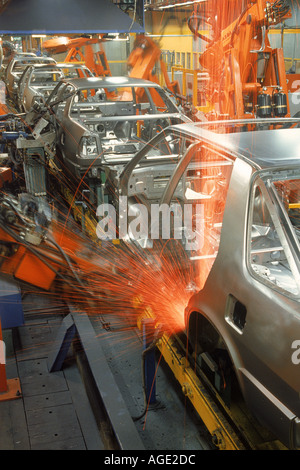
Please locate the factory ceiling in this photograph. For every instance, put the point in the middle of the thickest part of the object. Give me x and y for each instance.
(68, 16)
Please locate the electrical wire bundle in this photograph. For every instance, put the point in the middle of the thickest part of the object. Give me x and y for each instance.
(280, 8)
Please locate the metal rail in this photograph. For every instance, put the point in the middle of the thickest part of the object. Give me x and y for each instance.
(100, 383)
(223, 434)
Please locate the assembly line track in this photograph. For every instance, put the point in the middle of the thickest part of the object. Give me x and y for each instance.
(225, 428)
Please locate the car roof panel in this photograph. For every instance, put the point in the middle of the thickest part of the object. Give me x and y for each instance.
(262, 147)
(89, 82)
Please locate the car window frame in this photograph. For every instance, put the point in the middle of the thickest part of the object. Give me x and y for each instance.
(135, 161)
(183, 164)
(276, 213)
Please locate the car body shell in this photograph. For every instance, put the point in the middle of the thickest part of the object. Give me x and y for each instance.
(35, 84)
(30, 90)
(110, 123)
(7, 59)
(15, 69)
(75, 70)
(256, 319)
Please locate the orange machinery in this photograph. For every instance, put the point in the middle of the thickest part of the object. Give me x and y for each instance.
(141, 62)
(81, 50)
(40, 255)
(247, 77)
(143, 59)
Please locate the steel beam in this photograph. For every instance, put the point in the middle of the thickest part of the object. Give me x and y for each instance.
(124, 429)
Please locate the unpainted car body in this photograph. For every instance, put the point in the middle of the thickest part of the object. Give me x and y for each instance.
(15, 69)
(75, 70)
(35, 85)
(7, 58)
(102, 122)
(248, 185)
(38, 81)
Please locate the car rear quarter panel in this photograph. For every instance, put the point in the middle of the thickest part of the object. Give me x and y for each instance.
(262, 350)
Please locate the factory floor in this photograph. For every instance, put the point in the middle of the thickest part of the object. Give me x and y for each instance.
(55, 411)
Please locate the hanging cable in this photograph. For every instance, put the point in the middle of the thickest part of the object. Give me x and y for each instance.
(134, 15)
(194, 29)
(280, 8)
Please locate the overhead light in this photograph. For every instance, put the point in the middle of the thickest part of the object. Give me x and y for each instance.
(116, 37)
(121, 37)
